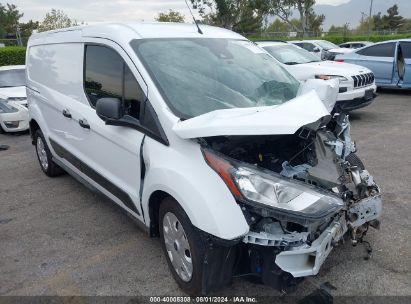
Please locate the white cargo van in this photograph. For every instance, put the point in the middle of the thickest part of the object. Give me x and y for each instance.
(205, 140)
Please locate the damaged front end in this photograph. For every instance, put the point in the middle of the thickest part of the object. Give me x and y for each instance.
(300, 194)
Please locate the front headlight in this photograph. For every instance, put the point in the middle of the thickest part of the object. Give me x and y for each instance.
(5, 107)
(328, 77)
(262, 187)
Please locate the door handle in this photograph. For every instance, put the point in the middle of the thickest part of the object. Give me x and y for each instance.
(66, 113)
(84, 124)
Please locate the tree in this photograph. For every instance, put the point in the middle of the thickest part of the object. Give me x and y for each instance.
(283, 9)
(249, 21)
(305, 8)
(314, 22)
(339, 29)
(391, 21)
(55, 19)
(9, 19)
(238, 15)
(26, 29)
(171, 16)
(406, 26)
(224, 13)
(365, 25)
(278, 26)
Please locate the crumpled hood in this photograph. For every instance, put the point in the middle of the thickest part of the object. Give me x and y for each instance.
(286, 118)
(335, 68)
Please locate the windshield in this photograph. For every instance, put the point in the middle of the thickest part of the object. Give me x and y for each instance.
(12, 78)
(326, 45)
(200, 75)
(290, 54)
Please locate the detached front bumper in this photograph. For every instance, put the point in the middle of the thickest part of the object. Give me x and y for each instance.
(306, 259)
(304, 262)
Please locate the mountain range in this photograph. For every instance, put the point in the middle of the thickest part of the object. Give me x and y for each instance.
(351, 11)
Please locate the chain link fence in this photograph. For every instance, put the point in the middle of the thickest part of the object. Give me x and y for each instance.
(346, 33)
(14, 42)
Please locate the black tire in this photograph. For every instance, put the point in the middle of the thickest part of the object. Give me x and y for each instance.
(52, 169)
(1, 130)
(194, 285)
(354, 160)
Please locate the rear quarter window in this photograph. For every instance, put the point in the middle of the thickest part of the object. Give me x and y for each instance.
(59, 67)
(406, 49)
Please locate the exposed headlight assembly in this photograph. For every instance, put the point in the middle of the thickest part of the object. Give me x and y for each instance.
(263, 188)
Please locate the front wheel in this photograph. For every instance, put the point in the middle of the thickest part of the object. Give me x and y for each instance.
(182, 246)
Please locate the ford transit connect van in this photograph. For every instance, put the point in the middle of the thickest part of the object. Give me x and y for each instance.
(207, 142)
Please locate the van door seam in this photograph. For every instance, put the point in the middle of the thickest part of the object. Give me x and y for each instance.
(142, 175)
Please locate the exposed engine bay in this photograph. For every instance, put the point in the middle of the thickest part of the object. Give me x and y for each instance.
(281, 248)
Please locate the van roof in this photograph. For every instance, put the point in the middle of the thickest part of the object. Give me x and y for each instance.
(134, 30)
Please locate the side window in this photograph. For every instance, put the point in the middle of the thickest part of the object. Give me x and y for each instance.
(406, 49)
(133, 95)
(103, 73)
(107, 75)
(299, 44)
(309, 47)
(380, 50)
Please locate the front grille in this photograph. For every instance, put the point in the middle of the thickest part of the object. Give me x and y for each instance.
(363, 80)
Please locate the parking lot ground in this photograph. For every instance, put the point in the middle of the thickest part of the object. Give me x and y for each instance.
(59, 238)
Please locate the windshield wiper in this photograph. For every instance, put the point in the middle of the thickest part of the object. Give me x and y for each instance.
(291, 63)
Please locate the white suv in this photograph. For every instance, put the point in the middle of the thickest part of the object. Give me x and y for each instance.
(357, 87)
(321, 48)
(205, 140)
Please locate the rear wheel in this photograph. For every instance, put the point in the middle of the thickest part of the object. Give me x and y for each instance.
(182, 246)
(49, 167)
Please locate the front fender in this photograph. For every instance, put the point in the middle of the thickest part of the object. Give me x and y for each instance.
(198, 189)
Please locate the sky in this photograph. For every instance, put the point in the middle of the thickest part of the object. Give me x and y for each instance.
(91, 11)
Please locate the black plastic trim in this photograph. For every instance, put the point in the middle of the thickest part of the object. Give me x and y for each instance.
(131, 122)
(87, 184)
(354, 104)
(97, 177)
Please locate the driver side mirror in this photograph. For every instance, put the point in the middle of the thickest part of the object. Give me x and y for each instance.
(316, 49)
(109, 108)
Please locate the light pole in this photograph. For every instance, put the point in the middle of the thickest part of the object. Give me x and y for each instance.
(369, 20)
